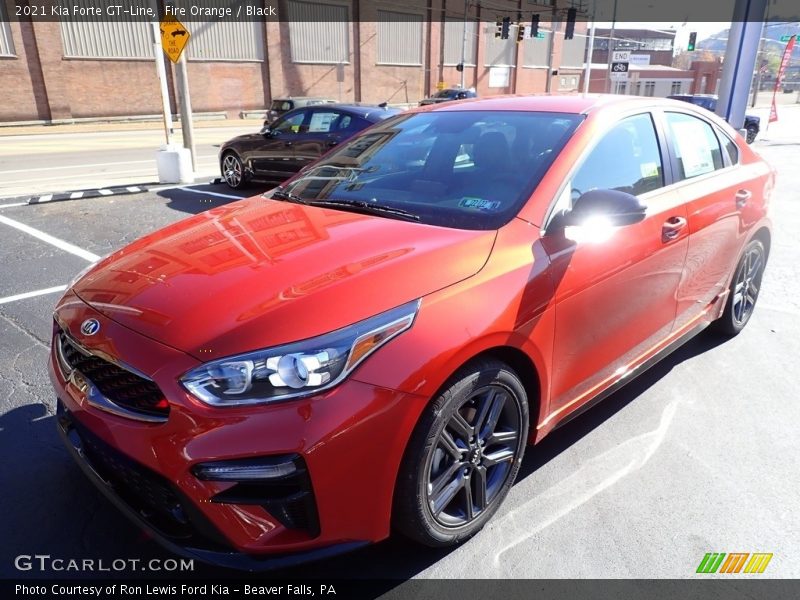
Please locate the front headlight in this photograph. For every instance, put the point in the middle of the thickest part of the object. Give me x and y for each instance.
(297, 369)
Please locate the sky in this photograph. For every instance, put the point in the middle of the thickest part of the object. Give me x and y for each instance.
(703, 30)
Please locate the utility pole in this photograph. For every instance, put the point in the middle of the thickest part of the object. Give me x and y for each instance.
(589, 52)
(187, 127)
(554, 23)
(464, 43)
(610, 49)
(162, 77)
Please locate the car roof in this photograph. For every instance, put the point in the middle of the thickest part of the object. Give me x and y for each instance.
(302, 98)
(366, 111)
(563, 103)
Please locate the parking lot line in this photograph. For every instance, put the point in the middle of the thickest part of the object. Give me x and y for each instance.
(45, 237)
(52, 290)
(186, 189)
(14, 204)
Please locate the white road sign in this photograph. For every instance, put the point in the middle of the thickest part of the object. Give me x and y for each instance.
(620, 56)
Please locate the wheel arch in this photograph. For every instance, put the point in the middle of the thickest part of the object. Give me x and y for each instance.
(764, 236)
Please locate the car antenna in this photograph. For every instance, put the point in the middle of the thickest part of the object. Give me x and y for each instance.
(383, 105)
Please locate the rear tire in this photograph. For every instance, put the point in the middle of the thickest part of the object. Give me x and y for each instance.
(744, 290)
(463, 456)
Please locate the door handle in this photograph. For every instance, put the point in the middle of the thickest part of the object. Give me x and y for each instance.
(288, 144)
(742, 196)
(671, 228)
(332, 143)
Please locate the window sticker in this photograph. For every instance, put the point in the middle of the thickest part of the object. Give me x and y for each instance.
(478, 203)
(321, 122)
(693, 150)
(649, 169)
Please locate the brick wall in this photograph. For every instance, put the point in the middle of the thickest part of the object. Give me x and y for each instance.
(41, 84)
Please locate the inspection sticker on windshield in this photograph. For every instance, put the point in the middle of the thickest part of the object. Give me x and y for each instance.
(478, 203)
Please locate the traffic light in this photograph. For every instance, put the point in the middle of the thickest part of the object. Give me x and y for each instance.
(535, 26)
(505, 28)
(569, 32)
(692, 41)
(520, 31)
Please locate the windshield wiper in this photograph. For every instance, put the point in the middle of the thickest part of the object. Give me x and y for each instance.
(368, 207)
(281, 194)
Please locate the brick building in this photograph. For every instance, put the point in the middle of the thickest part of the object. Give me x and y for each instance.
(349, 50)
(650, 66)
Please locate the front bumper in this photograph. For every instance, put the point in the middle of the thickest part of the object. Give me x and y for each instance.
(200, 540)
(350, 441)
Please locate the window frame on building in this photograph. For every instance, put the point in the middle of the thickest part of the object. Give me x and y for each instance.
(510, 48)
(307, 27)
(387, 26)
(452, 45)
(7, 48)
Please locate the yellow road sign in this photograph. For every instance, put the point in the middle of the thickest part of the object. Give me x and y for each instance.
(174, 37)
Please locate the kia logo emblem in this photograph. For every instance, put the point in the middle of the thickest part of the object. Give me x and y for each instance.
(90, 327)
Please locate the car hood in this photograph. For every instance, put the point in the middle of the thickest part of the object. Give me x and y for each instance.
(259, 273)
(247, 137)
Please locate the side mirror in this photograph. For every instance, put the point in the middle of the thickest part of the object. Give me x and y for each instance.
(612, 206)
(266, 131)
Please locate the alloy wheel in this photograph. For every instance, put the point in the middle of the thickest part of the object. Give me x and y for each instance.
(232, 170)
(473, 456)
(748, 283)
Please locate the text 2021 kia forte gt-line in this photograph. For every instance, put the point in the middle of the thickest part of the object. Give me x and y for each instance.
(376, 343)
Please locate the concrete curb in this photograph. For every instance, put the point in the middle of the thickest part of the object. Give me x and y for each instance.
(81, 194)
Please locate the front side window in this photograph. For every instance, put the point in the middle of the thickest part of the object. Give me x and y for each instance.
(696, 147)
(291, 124)
(626, 159)
(460, 169)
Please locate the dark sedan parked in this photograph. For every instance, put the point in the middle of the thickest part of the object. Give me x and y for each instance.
(449, 94)
(294, 140)
(708, 101)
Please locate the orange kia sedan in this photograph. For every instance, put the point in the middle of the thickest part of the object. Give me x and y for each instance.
(374, 344)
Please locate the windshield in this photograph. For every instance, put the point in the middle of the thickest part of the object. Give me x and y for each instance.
(460, 169)
(281, 105)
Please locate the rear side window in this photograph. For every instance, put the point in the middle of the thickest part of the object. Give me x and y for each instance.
(627, 159)
(730, 148)
(696, 147)
(323, 121)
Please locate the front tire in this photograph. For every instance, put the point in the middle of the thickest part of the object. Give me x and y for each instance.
(463, 456)
(744, 290)
(752, 132)
(232, 171)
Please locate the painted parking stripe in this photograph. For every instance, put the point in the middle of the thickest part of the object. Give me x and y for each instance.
(205, 193)
(75, 195)
(105, 192)
(52, 290)
(15, 204)
(187, 189)
(54, 241)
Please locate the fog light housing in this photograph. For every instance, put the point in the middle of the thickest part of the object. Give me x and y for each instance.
(250, 469)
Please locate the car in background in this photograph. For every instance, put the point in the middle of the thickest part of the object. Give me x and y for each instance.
(449, 94)
(708, 101)
(280, 106)
(373, 345)
(295, 140)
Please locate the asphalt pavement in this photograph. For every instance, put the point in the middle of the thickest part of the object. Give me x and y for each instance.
(700, 454)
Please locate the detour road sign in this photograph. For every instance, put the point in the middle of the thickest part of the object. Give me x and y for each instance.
(174, 37)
